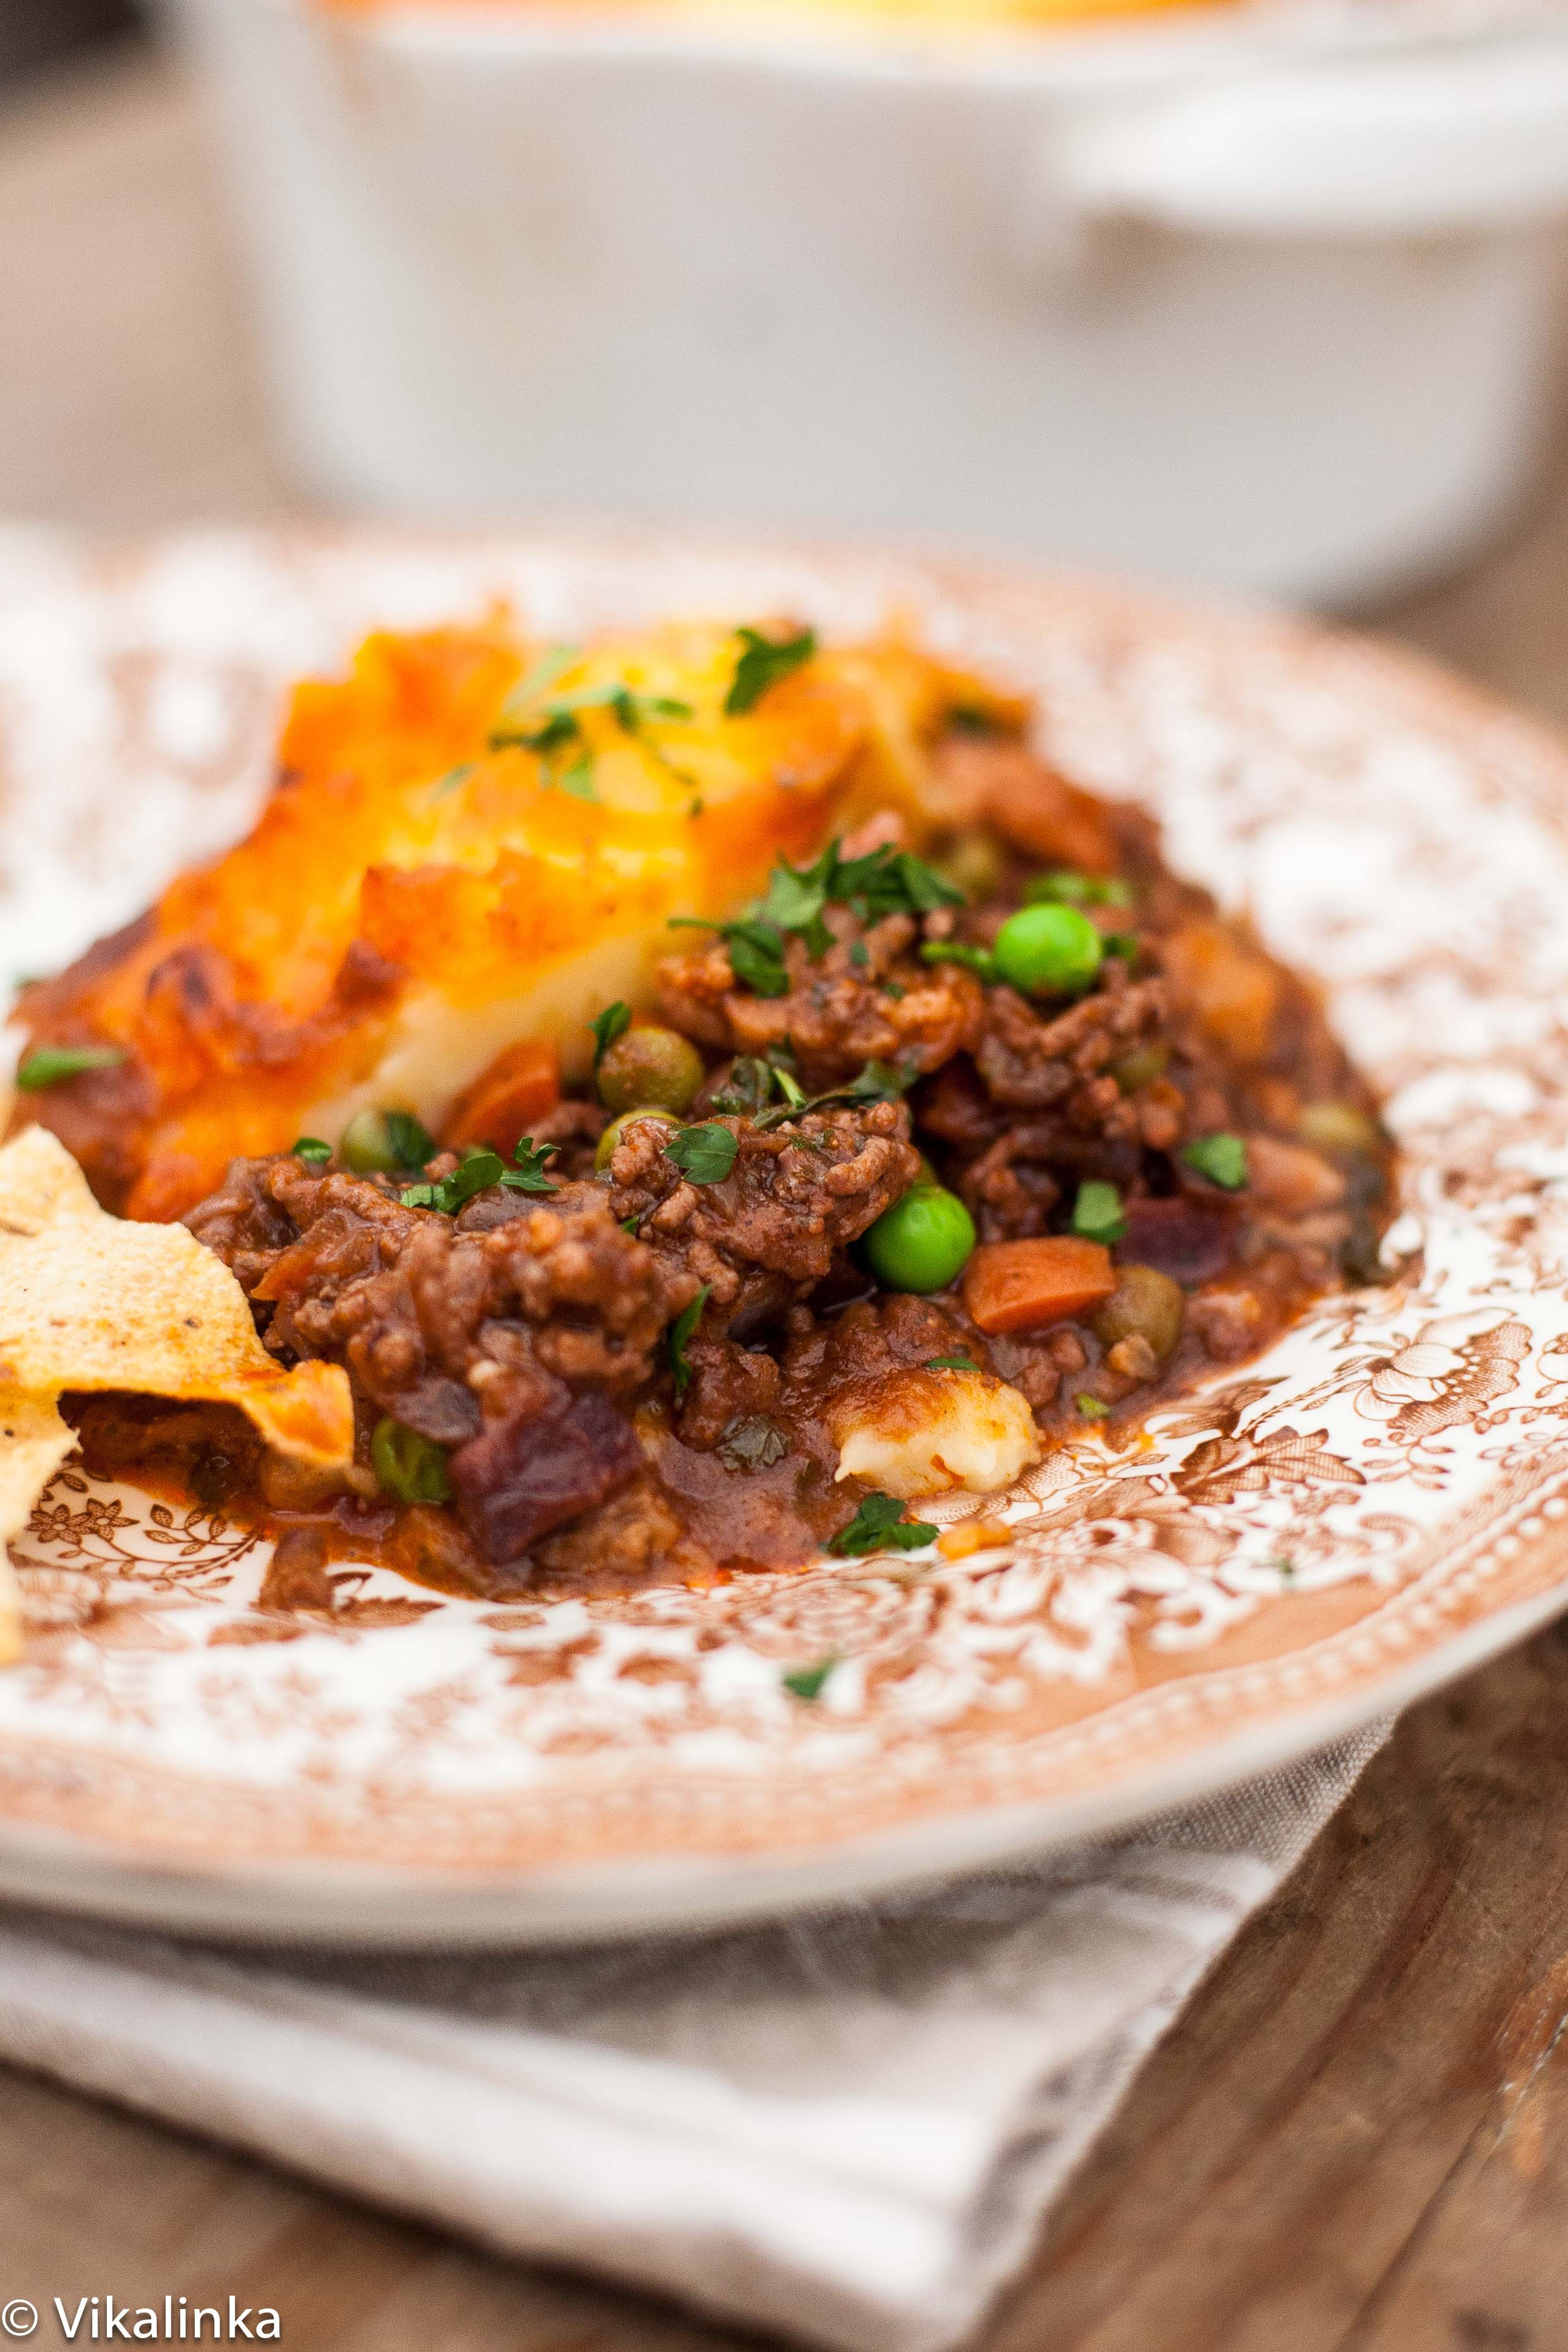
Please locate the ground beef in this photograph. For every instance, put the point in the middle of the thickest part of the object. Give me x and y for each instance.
(794, 1199)
(503, 1334)
(594, 1436)
(868, 998)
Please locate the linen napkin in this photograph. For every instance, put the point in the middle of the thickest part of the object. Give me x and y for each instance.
(846, 2126)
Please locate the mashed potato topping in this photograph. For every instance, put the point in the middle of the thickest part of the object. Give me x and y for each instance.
(471, 841)
(925, 1432)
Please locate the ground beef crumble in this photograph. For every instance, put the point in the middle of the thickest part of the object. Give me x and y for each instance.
(597, 1433)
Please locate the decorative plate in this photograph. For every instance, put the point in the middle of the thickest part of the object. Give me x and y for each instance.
(1378, 1503)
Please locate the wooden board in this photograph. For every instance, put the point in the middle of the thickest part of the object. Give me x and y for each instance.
(1357, 2136)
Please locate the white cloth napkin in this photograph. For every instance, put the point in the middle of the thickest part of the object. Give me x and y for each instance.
(845, 2126)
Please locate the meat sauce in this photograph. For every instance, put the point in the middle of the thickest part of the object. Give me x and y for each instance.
(648, 1355)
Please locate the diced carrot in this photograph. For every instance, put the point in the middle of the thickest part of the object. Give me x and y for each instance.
(1233, 991)
(508, 1100)
(1023, 1285)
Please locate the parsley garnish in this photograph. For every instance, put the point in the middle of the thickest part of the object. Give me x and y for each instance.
(553, 727)
(951, 1364)
(50, 1066)
(1221, 1158)
(807, 1682)
(755, 950)
(878, 1082)
(747, 1089)
(879, 1524)
(1124, 944)
(763, 661)
(310, 1149)
(886, 881)
(1092, 1409)
(705, 1154)
(529, 1175)
(452, 779)
(544, 673)
(1072, 889)
(407, 1138)
(1097, 1213)
(756, 957)
(479, 1170)
(979, 960)
(680, 1331)
(612, 1022)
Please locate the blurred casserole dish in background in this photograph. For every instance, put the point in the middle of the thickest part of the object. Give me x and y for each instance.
(1260, 297)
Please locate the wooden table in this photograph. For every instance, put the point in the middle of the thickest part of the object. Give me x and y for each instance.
(1357, 2136)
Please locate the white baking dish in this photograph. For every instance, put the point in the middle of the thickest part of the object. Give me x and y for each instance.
(1242, 297)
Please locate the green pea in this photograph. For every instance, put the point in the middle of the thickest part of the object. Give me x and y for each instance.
(1048, 950)
(378, 1142)
(972, 863)
(411, 1468)
(1337, 1127)
(921, 1242)
(1144, 1304)
(616, 1131)
(650, 1069)
(1141, 1065)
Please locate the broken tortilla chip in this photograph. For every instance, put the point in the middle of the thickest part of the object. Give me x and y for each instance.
(88, 1301)
(34, 1441)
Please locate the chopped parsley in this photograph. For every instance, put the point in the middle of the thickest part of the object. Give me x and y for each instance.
(479, 1170)
(1071, 890)
(1124, 944)
(452, 779)
(756, 949)
(310, 1149)
(762, 662)
(879, 1524)
(50, 1066)
(1097, 1213)
(951, 1364)
(680, 1331)
(704, 1154)
(1221, 1158)
(896, 990)
(551, 665)
(807, 1682)
(979, 960)
(748, 1089)
(529, 1175)
(859, 954)
(972, 718)
(1092, 1409)
(408, 1139)
(549, 728)
(886, 881)
(578, 780)
(612, 1022)
(878, 1082)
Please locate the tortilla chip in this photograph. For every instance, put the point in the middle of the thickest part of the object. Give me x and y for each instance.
(88, 1301)
(34, 1441)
